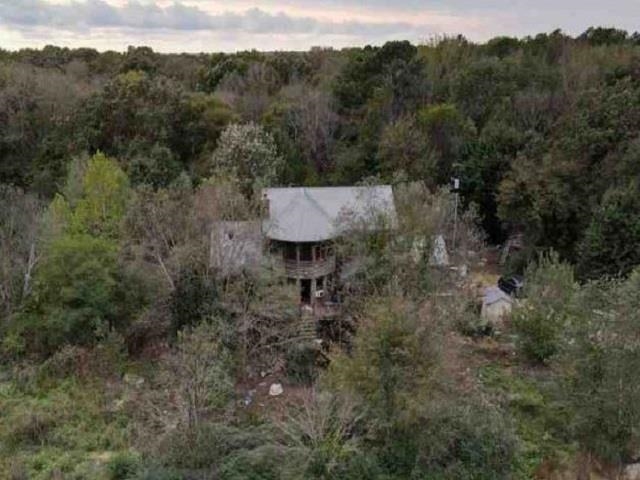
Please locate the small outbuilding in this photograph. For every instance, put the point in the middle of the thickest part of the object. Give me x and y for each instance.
(496, 305)
(235, 246)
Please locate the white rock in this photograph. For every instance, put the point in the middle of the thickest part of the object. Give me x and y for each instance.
(275, 389)
(632, 472)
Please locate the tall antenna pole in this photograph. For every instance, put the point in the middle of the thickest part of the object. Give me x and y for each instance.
(456, 189)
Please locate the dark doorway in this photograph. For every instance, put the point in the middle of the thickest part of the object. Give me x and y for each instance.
(305, 291)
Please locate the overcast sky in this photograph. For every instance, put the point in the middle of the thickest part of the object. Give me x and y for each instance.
(218, 25)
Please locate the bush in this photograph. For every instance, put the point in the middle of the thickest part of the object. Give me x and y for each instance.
(464, 443)
(600, 365)
(263, 463)
(157, 473)
(467, 319)
(540, 319)
(123, 466)
(194, 299)
(105, 359)
(64, 363)
(32, 427)
(301, 363)
(209, 445)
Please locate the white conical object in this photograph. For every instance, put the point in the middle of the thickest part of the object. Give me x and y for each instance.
(439, 255)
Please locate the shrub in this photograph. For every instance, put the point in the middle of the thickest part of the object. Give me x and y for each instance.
(194, 299)
(301, 363)
(394, 361)
(600, 367)
(32, 427)
(64, 363)
(123, 466)
(540, 319)
(465, 443)
(209, 445)
(105, 359)
(264, 463)
(467, 319)
(157, 473)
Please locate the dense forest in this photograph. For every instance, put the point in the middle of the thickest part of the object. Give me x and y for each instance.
(124, 355)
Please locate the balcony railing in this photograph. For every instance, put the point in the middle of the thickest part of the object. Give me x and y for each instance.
(321, 309)
(309, 269)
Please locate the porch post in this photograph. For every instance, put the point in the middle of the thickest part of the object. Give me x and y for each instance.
(314, 284)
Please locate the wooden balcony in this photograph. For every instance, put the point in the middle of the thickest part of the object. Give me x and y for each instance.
(309, 269)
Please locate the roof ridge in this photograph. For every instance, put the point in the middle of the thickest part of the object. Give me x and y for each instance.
(315, 203)
(302, 192)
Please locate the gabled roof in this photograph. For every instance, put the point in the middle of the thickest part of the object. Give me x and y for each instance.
(313, 214)
(494, 294)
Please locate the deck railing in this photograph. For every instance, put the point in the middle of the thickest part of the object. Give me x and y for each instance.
(309, 269)
(322, 309)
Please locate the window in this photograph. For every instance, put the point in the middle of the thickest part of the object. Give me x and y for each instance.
(305, 252)
(290, 251)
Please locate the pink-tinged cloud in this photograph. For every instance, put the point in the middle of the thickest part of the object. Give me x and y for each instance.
(196, 25)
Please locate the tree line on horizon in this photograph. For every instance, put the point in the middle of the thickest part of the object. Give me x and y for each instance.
(542, 131)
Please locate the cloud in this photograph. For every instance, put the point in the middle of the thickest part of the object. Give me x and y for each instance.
(230, 25)
(91, 14)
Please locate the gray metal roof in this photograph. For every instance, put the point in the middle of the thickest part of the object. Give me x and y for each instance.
(313, 214)
(494, 294)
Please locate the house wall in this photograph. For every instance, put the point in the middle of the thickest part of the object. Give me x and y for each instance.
(496, 312)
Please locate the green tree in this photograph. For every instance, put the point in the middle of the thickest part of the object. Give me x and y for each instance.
(249, 153)
(74, 295)
(103, 201)
(610, 244)
(554, 188)
(393, 363)
(404, 147)
(80, 289)
(447, 132)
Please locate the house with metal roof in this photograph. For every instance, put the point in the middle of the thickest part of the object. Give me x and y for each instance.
(302, 223)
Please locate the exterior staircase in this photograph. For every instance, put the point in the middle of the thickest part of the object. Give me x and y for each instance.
(307, 330)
